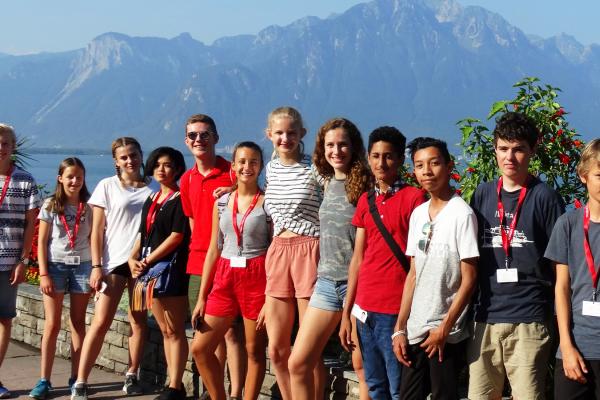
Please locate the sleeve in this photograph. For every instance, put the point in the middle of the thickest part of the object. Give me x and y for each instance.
(35, 198)
(467, 237)
(411, 240)
(359, 215)
(267, 174)
(555, 208)
(145, 209)
(317, 176)
(99, 196)
(180, 221)
(44, 214)
(558, 246)
(184, 192)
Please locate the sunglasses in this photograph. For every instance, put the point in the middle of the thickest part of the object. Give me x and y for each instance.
(427, 231)
(203, 135)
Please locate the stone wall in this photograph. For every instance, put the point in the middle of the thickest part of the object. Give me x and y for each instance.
(28, 327)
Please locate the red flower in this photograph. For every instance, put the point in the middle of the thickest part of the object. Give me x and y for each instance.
(516, 107)
(470, 169)
(577, 143)
(564, 158)
(458, 192)
(552, 139)
(577, 203)
(456, 177)
(559, 112)
(559, 132)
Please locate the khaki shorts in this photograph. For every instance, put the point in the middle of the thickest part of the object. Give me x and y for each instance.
(518, 350)
(291, 266)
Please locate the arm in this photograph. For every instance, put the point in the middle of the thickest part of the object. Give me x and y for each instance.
(400, 342)
(18, 274)
(573, 362)
(208, 270)
(353, 271)
(437, 337)
(46, 284)
(96, 246)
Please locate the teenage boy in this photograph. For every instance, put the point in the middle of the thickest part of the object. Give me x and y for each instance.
(376, 275)
(199, 187)
(575, 248)
(431, 332)
(19, 203)
(516, 214)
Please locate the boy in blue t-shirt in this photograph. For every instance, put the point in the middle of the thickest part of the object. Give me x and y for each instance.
(575, 248)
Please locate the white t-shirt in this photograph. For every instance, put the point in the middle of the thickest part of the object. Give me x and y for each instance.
(122, 210)
(438, 277)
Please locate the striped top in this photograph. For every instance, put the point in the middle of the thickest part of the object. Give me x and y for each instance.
(293, 196)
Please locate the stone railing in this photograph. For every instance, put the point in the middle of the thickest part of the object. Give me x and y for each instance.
(28, 327)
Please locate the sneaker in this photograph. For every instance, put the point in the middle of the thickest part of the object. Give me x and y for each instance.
(71, 383)
(172, 394)
(4, 392)
(41, 389)
(79, 391)
(132, 386)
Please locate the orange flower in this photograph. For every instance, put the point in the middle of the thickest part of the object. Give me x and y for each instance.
(577, 143)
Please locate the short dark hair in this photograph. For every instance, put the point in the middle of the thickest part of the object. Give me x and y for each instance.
(390, 135)
(204, 119)
(175, 156)
(516, 126)
(421, 143)
(249, 145)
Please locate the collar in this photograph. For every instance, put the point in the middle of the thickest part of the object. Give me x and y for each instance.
(392, 190)
(221, 165)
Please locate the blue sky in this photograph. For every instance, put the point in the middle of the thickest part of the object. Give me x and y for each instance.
(30, 26)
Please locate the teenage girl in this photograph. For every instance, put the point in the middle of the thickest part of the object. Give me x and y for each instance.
(117, 205)
(235, 269)
(65, 264)
(339, 158)
(164, 236)
(293, 196)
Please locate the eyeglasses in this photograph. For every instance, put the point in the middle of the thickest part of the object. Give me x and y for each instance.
(203, 135)
(424, 242)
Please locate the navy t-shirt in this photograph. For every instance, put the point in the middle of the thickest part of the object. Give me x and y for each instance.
(531, 298)
(566, 247)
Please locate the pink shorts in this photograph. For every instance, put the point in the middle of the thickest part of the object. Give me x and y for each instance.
(291, 266)
(238, 290)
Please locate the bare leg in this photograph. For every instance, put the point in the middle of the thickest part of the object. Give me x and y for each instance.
(256, 343)
(203, 350)
(319, 368)
(236, 358)
(139, 325)
(279, 318)
(52, 314)
(79, 302)
(357, 364)
(171, 320)
(315, 330)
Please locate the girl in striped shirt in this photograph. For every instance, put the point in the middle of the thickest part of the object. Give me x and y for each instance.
(293, 196)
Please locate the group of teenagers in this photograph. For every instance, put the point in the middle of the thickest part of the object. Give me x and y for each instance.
(419, 282)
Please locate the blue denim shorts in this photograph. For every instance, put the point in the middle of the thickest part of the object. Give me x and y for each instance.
(329, 295)
(8, 296)
(71, 278)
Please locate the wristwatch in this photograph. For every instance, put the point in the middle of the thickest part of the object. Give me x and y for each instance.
(24, 260)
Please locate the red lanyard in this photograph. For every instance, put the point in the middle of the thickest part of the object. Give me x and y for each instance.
(240, 230)
(508, 237)
(6, 183)
(588, 250)
(153, 210)
(72, 235)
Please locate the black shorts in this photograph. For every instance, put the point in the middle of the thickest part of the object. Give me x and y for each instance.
(122, 270)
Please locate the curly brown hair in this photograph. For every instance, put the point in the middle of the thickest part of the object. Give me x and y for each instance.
(358, 178)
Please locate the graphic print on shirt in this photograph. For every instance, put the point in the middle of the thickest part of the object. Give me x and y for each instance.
(492, 236)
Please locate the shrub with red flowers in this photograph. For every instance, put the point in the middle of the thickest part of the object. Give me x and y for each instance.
(558, 147)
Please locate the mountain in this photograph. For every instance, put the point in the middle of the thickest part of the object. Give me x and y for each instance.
(418, 64)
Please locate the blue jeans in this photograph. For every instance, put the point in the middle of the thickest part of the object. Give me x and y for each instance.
(382, 368)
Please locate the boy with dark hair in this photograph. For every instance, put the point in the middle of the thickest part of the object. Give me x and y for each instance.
(374, 295)
(513, 307)
(431, 331)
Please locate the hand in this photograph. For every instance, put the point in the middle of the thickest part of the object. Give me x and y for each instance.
(435, 343)
(400, 346)
(46, 285)
(198, 314)
(136, 267)
(574, 365)
(260, 321)
(96, 279)
(220, 191)
(17, 274)
(346, 333)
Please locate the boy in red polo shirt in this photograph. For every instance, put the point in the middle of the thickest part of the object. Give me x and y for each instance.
(200, 186)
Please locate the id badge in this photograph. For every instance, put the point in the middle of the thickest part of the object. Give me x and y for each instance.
(507, 275)
(72, 260)
(237, 262)
(591, 308)
(146, 251)
(359, 313)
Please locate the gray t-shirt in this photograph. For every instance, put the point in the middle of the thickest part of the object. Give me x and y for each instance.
(566, 247)
(58, 241)
(256, 235)
(337, 233)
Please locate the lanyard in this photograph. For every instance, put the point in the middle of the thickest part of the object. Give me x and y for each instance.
(588, 250)
(5, 186)
(72, 235)
(508, 237)
(239, 230)
(153, 210)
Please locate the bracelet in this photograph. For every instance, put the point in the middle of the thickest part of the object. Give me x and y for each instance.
(97, 266)
(42, 275)
(401, 332)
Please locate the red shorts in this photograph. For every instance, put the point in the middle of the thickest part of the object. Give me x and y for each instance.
(238, 290)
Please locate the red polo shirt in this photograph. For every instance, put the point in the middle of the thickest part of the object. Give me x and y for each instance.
(197, 200)
(381, 277)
